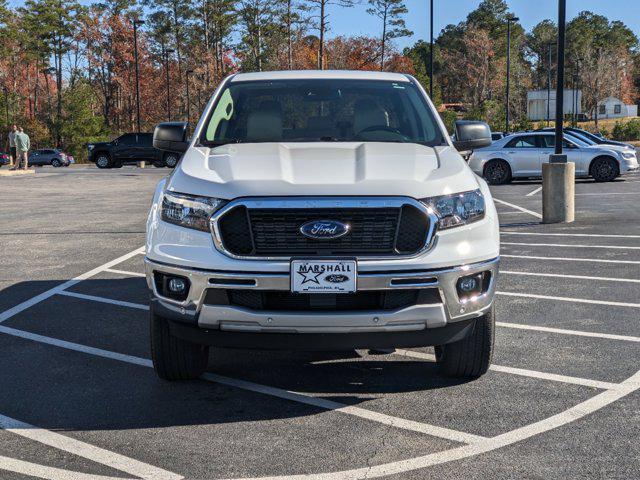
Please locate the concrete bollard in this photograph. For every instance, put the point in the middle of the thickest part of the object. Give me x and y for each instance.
(141, 164)
(558, 192)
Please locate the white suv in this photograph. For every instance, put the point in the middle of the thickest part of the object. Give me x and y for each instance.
(321, 210)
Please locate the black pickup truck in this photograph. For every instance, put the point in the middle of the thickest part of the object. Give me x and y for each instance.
(130, 148)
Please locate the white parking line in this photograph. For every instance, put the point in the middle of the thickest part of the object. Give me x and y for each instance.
(569, 259)
(570, 299)
(566, 417)
(586, 382)
(562, 331)
(396, 422)
(578, 277)
(517, 207)
(34, 470)
(389, 420)
(531, 194)
(81, 449)
(508, 232)
(565, 245)
(59, 288)
(94, 298)
(125, 272)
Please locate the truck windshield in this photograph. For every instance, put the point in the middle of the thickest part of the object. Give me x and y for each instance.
(321, 111)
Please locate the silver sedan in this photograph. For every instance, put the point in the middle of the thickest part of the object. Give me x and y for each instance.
(521, 155)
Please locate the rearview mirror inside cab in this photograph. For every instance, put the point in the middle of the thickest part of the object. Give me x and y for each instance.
(471, 135)
(171, 137)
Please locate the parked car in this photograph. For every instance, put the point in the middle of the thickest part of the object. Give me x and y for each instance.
(596, 138)
(497, 135)
(521, 155)
(321, 210)
(4, 159)
(48, 156)
(129, 149)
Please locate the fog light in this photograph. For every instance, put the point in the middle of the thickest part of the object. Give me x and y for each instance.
(177, 285)
(172, 286)
(471, 286)
(468, 284)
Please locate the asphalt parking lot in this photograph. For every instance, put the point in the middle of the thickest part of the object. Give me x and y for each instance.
(78, 399)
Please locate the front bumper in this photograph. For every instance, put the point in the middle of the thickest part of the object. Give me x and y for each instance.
(232, 319)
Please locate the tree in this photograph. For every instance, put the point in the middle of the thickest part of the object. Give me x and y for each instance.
(393, 25)
(323, 22)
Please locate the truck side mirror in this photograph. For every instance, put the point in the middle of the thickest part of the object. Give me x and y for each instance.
(471, 135)
(171, 137)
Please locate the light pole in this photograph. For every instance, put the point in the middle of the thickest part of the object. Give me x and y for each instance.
(549, 85)
(137, 23)
(167, 52)
(187, 73)
(558, 176)
(431, 51)
(510, 19)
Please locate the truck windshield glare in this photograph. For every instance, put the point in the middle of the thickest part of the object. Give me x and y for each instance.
(321, 111)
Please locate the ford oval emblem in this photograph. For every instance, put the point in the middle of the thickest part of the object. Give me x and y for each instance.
(324, 229)
(336, 278)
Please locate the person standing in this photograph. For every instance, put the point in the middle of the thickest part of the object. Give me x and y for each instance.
(12, 145)
(23, 143)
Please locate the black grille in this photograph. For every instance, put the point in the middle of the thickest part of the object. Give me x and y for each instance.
(276, 231)
(284, 301)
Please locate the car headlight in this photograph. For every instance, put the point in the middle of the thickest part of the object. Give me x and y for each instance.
(458, 209)
(189, 211)
(628, 155)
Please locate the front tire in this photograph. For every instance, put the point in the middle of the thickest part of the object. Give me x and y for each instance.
(174, 358)
(497, 172)
(103, 161)
(604, 169)
(471, 356)
(171, 160)
(56, 163)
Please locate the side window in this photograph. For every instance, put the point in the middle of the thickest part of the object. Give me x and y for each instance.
(548, 141)
(602, 109)
(617, 109)
(522, 142)
(145, 140)
(128, 139)
(48, 152)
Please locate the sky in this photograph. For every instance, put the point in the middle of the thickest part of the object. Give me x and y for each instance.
(355, 21)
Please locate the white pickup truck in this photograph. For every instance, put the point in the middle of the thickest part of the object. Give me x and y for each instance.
(321, 210)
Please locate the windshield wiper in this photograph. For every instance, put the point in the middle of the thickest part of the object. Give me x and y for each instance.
(222, 142)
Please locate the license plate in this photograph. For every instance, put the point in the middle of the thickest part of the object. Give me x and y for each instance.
(323, 276)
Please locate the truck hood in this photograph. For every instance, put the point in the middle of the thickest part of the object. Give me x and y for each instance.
(316, 169)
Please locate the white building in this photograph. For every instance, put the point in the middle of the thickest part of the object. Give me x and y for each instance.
(537, 101)
(612, 107)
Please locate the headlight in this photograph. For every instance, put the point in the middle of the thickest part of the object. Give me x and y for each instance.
(90, 147)
(189, 211)
(628, 155)
(458, 209)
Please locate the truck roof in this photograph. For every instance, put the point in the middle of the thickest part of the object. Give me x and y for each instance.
(320, 75)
